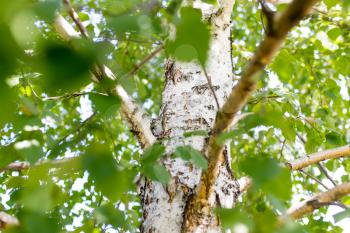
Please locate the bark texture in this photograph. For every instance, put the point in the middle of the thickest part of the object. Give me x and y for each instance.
(188, 104)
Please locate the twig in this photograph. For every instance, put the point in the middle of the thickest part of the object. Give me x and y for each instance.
(211, 87)
(75, 18)
(76, 130)
(319, 164)
(71, 95)
(325, 172)
(145, 60)
(282, 148)
(314, 178)
(316, 202)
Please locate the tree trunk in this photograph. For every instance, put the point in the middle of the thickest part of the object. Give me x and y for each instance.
(188, 104)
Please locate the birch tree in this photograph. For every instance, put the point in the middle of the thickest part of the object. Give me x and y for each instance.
(174, 116)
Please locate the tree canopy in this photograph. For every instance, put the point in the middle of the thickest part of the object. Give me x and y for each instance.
(70, 162)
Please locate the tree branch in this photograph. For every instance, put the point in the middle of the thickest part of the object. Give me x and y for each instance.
(318, 157)
(227, 6)
(282, 24)
(7, 220)
(316, 202)
(75, 18)
(137, 118)
(16, 166)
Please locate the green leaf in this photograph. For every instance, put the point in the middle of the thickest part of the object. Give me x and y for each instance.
(107, 105)
(9, 52)
(196, 133)
(283, 65)
(156, 172)
(232, 217)
(192, 37)
(210, 1)
(153, 153)
(40, 198)
(330, 3)
(334, 33)
(108, 214)
(188, 153)
(291, 227)
(33, 222)
(46, 9)
(124, 23)
(30, 150)
(341, 215)
(111, 180)
(334, 138)
(8, 154)
(268, 175)
(66, 68)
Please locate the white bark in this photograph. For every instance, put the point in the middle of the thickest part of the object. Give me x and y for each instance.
(189, 105)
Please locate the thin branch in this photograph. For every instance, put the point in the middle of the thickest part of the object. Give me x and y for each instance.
(319, 164)
(316, 202)
(211, 87)
(325, 172)
(71, 95)
(7, 221)
(314, 178)
(318, 157)
(75, 18)
(282, 148)
(137, 118)
(145, 60)
(74, 131)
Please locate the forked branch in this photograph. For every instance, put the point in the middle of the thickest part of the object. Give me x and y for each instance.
(282, 24)
(280, 27)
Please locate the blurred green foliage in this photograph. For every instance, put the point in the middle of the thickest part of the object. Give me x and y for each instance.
(83, 157)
